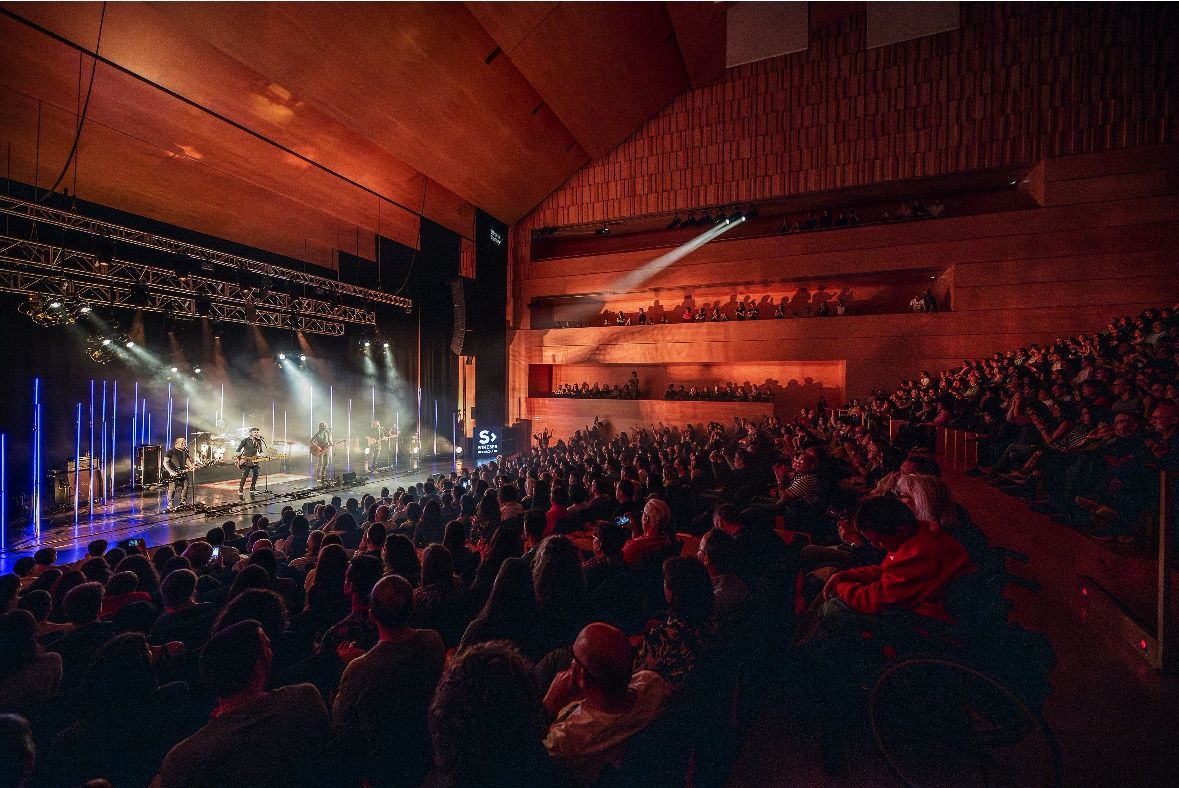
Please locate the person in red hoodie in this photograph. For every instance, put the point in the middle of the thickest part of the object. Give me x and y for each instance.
(921, 562)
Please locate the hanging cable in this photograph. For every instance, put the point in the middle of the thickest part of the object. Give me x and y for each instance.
(85, 108)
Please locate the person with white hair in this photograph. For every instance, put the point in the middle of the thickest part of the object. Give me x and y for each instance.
(656, 536)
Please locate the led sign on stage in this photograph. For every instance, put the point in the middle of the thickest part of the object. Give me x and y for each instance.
(486, 445)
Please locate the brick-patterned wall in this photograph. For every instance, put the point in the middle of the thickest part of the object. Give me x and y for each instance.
(1017, 82)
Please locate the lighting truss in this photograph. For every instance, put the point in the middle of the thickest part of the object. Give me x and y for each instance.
(201, 254)
(30, 267)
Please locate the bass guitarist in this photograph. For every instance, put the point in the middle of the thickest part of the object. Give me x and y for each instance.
(248, 451)
(321, 444)
(177, 464)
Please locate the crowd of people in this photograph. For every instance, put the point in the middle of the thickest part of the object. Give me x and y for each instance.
(593, 611)
(727, 392)
(576, 615)
(826, 219)
(628, 390)
(744, 309)
(1080, 426)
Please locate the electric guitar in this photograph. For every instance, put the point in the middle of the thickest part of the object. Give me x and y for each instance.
(319, 449)
(244, 463)
(377, 441)
(171, 475)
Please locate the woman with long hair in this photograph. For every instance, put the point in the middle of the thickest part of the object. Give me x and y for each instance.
(510, 610)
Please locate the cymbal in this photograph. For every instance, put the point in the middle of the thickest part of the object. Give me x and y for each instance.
(198, 432)
(282, 443)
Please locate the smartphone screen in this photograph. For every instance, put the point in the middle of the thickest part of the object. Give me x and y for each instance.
(623, 521)
(216, 553)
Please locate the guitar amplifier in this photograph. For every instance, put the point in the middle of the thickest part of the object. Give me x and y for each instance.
(149, 459)
(82, 478)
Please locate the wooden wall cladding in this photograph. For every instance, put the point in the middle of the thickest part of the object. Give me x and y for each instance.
(1018, 82)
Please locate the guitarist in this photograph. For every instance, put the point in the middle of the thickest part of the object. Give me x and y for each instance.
(248, 451)
(321, 444)
(177, 464)
(376, 441)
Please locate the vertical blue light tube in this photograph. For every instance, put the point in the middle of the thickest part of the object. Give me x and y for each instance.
(3, 491)
(90, 449)
(435, 428)
(134, 432)
(102, 450)
(77, 462)
(114, 433)
(168, 423)
(348, 466)
(37, 458)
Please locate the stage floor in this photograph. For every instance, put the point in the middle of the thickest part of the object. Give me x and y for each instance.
(139, 514)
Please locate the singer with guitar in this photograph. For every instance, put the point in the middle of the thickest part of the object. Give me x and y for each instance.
(248, 453)
(177, 464)
(321, 444)
(377, 437)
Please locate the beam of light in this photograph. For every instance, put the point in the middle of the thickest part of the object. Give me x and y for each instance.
(311, 421)
(374, 403)
(272, 422)
(221, 411)
(168, 426)
(397, 443)
(187, 416)
(77, 464)
(645, 272)
(37, 458)
(90, 451)
(332, 427)
(435, 429)
(284, 439)
(348, 465)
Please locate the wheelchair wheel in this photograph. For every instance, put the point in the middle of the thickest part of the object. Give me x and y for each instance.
(942, 723)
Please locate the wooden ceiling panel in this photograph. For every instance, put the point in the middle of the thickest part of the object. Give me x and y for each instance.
(397, 99)
(411, 77)
(603, 68)
(236, 170)
(510, 23)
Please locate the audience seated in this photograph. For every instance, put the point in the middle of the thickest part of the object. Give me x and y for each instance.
(598, 703)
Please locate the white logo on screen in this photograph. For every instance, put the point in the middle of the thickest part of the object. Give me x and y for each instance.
(496, 238)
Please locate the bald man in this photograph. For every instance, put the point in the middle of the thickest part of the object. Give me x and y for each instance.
(598, 704)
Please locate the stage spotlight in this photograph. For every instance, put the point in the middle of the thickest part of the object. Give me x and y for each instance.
(302, 357)
(603, 230)
(130, 343)
(367, 343)
(674, 222)
(106, 342)
(735, 215)
(386, 346)
(55, 304)
(458, 450)
(282, 356)
(196, 370)
(174, 369)
(84, 309)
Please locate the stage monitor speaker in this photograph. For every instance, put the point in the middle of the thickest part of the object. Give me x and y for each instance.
(349, 478)
(148, 461)
(458, 296)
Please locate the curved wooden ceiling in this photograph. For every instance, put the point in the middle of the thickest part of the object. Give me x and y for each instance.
(304, 128)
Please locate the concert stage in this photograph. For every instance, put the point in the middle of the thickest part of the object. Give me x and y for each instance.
(139, 514)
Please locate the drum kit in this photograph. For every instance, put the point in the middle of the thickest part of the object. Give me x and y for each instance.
(210, 448)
